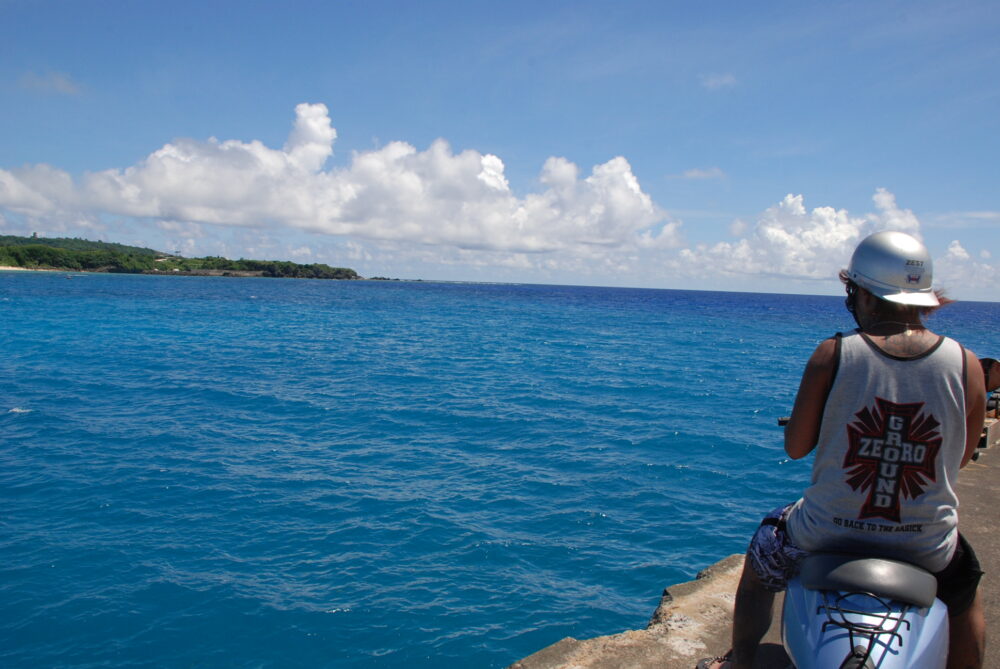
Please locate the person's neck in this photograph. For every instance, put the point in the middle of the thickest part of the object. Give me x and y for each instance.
(888, 328)
(899, 338)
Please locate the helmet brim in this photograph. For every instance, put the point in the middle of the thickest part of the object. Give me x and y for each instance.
(921, 299)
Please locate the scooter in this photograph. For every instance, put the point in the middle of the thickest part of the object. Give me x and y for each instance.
(850, 612)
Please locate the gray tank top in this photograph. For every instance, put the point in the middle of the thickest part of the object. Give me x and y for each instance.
(890, 447)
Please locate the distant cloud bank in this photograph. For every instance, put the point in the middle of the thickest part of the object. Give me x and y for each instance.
(439, 206)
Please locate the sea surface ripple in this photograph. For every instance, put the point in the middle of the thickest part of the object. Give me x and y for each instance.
(284, 473)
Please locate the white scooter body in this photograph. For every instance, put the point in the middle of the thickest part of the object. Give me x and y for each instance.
(845, 612)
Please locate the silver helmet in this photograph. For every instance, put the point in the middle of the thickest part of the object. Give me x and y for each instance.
(894, 266)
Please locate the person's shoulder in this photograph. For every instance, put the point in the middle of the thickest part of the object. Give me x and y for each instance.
(957, 345)
(826, 351)
(833, 342)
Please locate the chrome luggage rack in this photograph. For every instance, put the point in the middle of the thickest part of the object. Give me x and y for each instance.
(889, 619)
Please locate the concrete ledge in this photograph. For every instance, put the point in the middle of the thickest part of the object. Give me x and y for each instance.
(693, 621)
(991, 434)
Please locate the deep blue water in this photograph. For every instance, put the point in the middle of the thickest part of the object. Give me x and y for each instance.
(283, 473)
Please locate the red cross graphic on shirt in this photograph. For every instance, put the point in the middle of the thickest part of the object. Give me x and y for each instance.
(892, 450)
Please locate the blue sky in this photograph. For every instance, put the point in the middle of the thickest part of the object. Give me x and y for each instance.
(726, 145)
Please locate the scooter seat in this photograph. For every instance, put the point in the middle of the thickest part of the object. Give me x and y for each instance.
(892, 579)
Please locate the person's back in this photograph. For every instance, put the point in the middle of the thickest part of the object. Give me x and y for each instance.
(889, 450)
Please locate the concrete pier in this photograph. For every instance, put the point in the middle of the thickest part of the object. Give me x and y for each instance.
(694, 619)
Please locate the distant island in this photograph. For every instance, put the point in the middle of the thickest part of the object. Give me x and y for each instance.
(81, 255)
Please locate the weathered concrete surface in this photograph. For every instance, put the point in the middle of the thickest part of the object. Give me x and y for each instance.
(979, 521)
(694, 619)
(991, 433)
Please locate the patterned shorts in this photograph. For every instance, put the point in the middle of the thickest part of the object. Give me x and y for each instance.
(774, 557)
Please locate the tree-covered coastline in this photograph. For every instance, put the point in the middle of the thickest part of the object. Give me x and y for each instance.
(81, 255)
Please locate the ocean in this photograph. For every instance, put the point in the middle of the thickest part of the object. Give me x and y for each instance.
(213, 472)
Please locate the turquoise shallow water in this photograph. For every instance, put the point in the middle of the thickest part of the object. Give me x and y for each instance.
(284, 473)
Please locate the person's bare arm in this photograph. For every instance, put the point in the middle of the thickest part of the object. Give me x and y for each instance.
(975, 405)
(991, 372)
(802, 431)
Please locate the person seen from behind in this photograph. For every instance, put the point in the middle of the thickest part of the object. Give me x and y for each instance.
(889, 375)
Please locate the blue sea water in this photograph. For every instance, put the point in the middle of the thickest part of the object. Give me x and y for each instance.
(285, 473)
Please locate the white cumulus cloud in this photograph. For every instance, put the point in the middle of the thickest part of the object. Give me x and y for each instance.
(395, 193)
(957, 270)
(789, 242)
(891, 217)
(956, 251)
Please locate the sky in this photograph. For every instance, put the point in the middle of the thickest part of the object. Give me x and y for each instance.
(695, 145)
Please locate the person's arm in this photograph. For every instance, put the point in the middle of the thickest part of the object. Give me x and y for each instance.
(975, 405)
(991, 373)
(802, 431)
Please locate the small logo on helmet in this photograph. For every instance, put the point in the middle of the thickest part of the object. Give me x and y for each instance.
(914, 263)
(913, 278)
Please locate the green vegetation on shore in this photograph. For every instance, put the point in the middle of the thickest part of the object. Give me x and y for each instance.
(86, 256)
